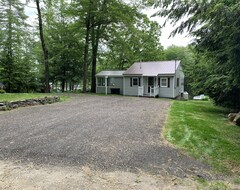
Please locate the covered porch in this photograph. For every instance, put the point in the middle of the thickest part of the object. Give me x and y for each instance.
(149, 86)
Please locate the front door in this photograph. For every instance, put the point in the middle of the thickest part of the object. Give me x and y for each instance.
(150, 83)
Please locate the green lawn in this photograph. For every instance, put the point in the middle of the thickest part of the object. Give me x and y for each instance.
(23, 96)
(203, 131)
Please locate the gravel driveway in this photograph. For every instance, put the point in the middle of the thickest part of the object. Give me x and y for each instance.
(107, 133)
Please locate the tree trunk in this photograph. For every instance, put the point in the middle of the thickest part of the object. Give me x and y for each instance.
(44, 48)
(9, 49)
(86, 48)
(95, 42)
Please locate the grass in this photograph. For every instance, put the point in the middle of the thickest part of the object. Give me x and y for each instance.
(22, 96)
(202, 130)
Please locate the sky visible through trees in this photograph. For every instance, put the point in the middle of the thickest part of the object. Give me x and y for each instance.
(65, 43)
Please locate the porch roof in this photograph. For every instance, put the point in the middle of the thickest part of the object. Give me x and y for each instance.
(154, 68)
(110, 73)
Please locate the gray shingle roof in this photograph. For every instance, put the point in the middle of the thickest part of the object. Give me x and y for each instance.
(1, 84)
(153, 68)
(110, 73)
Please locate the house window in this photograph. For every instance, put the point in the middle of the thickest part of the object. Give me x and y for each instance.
(134, 81)
(177, 82)
(110, 81)
(101, 81)
(164, 82)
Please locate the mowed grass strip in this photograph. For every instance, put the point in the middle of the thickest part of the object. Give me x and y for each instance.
(23, 96)
(203, 131)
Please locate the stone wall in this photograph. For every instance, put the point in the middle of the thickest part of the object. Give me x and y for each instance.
(4, 106)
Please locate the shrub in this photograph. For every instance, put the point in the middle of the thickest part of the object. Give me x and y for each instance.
(205, 99)
(238, 121)
(2, 91)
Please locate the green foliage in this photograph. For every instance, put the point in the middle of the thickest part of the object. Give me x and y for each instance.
(187, 57)
(132, 42)
(216, 26)
(236, 180)
(203, 131)
(118, 35)
(2, 91)
(16, 68)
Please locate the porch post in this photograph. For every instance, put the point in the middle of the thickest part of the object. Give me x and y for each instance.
(123, 86)
(106, 77)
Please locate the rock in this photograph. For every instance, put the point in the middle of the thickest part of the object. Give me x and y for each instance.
(14, 106)
(35, 103)
(28, 102)
(3, 108)
(232, 116)
(236, 117)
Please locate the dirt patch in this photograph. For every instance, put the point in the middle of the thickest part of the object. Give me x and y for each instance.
(22, 176)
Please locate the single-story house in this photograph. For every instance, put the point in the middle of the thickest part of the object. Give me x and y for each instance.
(151, 79)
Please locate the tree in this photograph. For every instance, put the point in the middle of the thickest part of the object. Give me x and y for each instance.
(216, 26)
(44, 48)
(64, 44)
(137, 40)
(188, 58)
(13, 54)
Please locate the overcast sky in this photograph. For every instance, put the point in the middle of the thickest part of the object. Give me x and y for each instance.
(179, 40)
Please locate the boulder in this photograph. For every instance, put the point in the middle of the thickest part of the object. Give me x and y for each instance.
(236, 117)
(14, 106)
(3, 108)
(232, 116)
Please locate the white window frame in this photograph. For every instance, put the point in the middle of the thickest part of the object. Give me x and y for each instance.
(161, 81)
(133, 82)
(102, 82)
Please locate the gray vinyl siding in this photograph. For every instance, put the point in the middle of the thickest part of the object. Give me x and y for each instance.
(179, 74)
(130, 90)
(100, 90)
(117, 83)
(166, 92)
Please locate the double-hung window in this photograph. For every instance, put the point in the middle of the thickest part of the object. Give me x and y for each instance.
(101, 81)
(135, 81)
(164, 82)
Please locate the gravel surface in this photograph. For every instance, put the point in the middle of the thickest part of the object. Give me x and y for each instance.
(106, 133)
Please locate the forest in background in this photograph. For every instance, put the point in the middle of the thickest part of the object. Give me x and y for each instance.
(75, 39)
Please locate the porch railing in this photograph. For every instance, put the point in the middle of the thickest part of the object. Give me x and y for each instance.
(154, 91)
(140, 91)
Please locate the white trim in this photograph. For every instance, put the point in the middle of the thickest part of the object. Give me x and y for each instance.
(106, 77)
(123, 86)
(165, 78)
